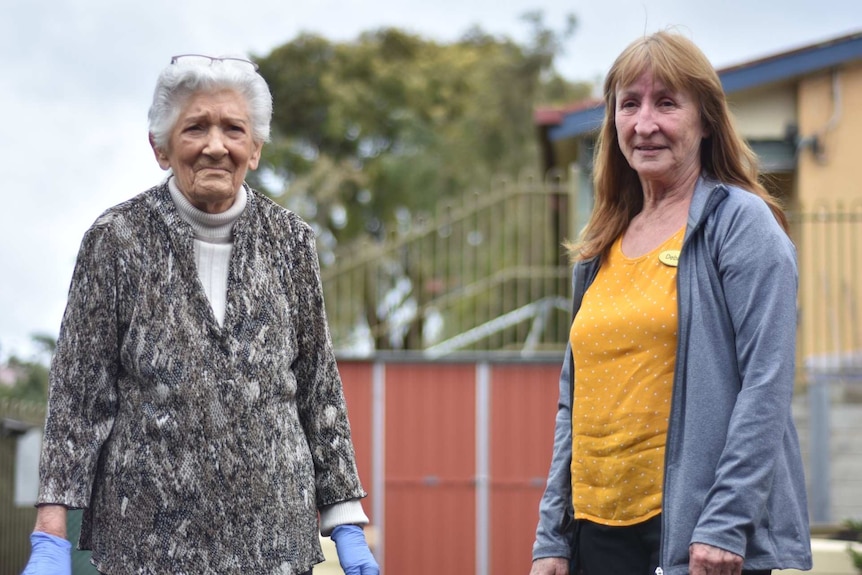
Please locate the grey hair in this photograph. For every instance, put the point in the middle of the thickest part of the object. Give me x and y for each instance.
(178, 82)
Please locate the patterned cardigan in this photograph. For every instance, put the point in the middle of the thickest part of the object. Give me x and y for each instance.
(195, 448)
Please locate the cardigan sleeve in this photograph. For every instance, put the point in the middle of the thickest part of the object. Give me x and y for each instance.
(756, 264)
(82, 397)
(554, 531)
(320, 397)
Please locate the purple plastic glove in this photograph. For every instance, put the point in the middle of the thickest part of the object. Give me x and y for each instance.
(353, 552)
(50, 555)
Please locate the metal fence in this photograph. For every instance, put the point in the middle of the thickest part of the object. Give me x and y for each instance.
(828, 236)
(485, 273)
(829, 359)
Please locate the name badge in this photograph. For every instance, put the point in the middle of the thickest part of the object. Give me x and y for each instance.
(669, 258)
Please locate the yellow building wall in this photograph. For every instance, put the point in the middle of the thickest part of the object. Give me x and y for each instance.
(828, 230)
(764, 113)
(829, 108)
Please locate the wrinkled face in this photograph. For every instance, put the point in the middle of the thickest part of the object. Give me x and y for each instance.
(210, 149)
(659, 131)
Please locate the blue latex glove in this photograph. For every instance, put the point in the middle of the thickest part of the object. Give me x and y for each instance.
(50, 555)
(353, 552)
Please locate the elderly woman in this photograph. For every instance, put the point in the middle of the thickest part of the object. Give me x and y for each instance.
(674, 448)
(196, 412)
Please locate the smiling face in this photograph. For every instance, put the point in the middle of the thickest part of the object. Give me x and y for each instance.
(210, 149)
(659, 131)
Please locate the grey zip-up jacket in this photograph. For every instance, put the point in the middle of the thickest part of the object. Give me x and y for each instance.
(193, 447)
(733, 473)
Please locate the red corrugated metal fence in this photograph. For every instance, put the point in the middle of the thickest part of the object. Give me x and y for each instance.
(454, 456)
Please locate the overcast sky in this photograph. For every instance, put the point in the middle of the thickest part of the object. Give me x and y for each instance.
(77, 77)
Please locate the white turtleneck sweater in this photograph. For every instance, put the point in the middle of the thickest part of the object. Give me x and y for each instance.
(213, 244)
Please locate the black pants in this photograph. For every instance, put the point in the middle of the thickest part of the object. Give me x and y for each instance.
(632, 550)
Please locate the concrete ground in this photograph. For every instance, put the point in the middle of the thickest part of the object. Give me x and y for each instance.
(830, 558)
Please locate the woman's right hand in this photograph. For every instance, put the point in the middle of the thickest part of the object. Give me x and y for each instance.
(550, 566)
(50, 555)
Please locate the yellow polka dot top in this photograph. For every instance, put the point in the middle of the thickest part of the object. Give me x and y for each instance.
(623, 345)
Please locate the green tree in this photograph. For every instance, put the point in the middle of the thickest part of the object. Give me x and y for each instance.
(373, 131)
(31, 381)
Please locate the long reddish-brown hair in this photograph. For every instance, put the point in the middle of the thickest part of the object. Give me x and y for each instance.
(678, 63)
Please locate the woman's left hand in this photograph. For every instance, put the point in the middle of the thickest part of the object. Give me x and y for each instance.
(353, 552)
(705, 559)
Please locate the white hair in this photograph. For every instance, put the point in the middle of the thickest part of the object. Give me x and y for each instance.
(179, 81)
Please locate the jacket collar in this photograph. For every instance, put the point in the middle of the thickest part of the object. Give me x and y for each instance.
(708, 193)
